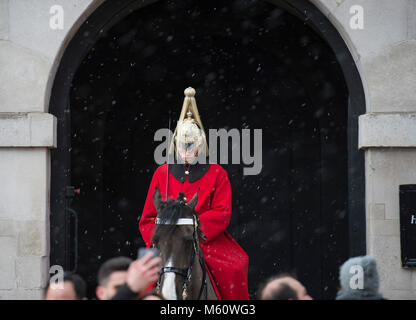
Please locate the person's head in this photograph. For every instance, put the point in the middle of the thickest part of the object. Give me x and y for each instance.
(74, 288)
(283, 287)
(152, 296)
(111, 275)
(359, 279)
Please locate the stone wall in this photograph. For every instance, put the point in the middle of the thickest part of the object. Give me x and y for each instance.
(29, 51)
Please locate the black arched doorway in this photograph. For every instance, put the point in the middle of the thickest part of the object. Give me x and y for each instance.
(275, 66)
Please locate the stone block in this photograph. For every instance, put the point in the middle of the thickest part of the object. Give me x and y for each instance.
(43, 130)
(411, 20)
(378, 130)
(22, 294)
(377, 211)
(32, 272)
(394, 165)
(6, 294)
(24, 187)
(7, 228)
(33, 237)
(27, 130)
(389, 227)
(386, 251)
(30, 23)
(23, 78)
(7, 262)
(385, 23)
(391, 78)
(414, 281)
(400, 295)
(4, 19)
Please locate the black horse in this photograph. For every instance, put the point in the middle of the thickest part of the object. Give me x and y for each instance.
(177, 233)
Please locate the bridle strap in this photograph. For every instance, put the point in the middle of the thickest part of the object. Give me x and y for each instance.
(204, 276)
(183, 272)
(180, 222)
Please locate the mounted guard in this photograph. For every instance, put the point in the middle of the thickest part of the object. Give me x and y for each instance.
(188, 172)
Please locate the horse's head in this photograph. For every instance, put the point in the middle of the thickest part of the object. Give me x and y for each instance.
(176, 236)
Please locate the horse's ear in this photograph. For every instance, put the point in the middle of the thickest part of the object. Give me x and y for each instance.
(193, 202)
(157, 199)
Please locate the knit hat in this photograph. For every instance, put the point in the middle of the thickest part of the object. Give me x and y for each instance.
(359, 279)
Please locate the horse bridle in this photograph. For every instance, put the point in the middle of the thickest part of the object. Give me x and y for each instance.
(187, 273)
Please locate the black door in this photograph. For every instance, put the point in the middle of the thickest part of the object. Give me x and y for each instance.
(254, 66)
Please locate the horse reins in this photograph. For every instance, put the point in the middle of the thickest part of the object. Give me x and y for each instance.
(187, 273)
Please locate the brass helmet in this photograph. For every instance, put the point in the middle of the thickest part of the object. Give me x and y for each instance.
(189, 140)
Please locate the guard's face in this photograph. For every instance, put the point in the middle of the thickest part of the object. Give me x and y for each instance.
(188, 152)
(189, 141)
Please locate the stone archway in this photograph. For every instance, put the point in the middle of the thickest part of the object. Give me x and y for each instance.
(87, 36)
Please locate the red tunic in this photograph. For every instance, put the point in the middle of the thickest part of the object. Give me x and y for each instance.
(226, 260)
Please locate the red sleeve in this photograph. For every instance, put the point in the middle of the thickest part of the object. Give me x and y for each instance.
(216, 220)
(147, 220)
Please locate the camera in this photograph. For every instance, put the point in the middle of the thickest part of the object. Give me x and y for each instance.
(143, 251)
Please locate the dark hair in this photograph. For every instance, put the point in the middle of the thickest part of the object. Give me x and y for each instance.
(282, 292)
(110, 266)
(79, 284)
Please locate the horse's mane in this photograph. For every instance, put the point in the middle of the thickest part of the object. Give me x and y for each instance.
(172, 211)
